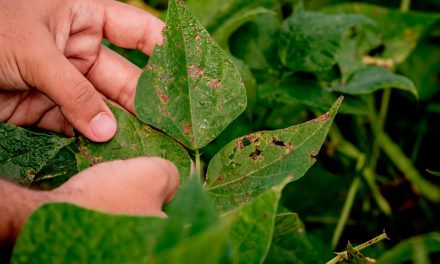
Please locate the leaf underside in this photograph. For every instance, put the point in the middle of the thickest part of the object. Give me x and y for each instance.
(190, 88)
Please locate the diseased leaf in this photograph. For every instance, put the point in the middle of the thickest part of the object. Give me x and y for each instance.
(254, 163)
(64, 233)
(57, 170)
(311, 41)
(23, 153)
(190, 88)
(252, 226)
(135, 139)
(290, 243)
(401, 30)
(370, 79)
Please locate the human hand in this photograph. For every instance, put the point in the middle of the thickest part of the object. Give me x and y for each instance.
(54, 72)
(138, 186)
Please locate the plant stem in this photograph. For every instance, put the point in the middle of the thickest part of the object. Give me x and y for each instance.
(404, 5)
(345, 211)
(343, 255)
(198, 169)
(404, 164)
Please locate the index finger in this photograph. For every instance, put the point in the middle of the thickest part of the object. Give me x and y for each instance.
(130, 27)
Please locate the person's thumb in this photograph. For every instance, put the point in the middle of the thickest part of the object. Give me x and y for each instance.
(79, 102)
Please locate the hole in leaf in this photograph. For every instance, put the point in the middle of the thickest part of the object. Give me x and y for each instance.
(256, 154)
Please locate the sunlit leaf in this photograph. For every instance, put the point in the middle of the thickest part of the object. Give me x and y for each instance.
(252, 164)
(190, 88)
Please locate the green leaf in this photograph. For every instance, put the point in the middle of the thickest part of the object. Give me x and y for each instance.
(290, 243)
(57, 170)
(311, 41)
(255, 42)
(371, 78)
(23, 153)
(309, 92)
(135, 139)
(252, 164)
(190, 88)
(224, 32)
(252, 226)
(64, 233)
(209, 247)
(190, 213)
(401, 30)
(213, 14)
(411, 248)
(423, 67)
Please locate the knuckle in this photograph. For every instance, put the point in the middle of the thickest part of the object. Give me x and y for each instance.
(83, 92)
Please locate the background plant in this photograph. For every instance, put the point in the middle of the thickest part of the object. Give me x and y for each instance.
(295, 59)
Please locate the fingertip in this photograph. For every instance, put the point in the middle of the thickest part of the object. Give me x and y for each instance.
(103, 126)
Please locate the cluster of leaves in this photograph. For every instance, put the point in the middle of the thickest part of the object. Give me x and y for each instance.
(290, 63)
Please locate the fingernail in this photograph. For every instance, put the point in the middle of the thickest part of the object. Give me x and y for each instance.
(103, 126)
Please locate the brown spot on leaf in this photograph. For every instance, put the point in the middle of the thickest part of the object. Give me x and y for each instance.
(194, 70)
(186, 129)
(163, 98)
(265, 215)
(239, 144)
(323, 117)
(216, 84)
(251, 138)
(221, 178)
(164, 111)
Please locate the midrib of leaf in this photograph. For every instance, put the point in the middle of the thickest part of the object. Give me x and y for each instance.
(186, 70)
(271, 163)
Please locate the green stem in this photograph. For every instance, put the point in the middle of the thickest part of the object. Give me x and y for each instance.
(405, 165)
(198, 170)
(369, 172)
(345, 211)
(405, 5)
(422, 131)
